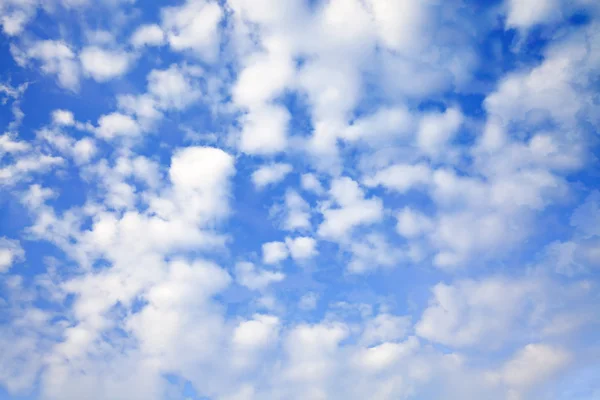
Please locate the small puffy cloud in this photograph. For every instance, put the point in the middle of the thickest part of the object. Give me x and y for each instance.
(381, 126)
(311, 183)
(401, 177)
(477, 313)
(10, 144)
(297, 212)
(84, 150)
(399, 23)
(270, 174)
(193, 26)
(437, 129)
(274, 252)
(63, 118)
(256, 333)
(372, 251)
(56, 58)
(385, 328)
(383, 356)
(264, 130)
(26, 165)
(173, 88)
(148, 35)
(530, 366)
(412, 223)
(264, 76)
(301, 248)
(10, 252)
(527, 13)
(352, 210)
(200, 176)
(13, 20)
(246, 274)
(37, 195)
(116, 124)
(102, 64)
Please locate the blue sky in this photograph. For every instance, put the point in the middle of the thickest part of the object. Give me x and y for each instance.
(325, 199)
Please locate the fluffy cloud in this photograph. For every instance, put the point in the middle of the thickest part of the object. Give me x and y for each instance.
(274, 252)
(476, 312)
(437, 237)
(10, 252)
(172, 88)
(193, 26)
(264, 130)
(301, 248)
(352, 210)
(148, 35)
(531, 365)
(63, 117)
(527, 13)
(103, 65)
(116, 124)
(255, 279)
(55, 57)
(270, 174)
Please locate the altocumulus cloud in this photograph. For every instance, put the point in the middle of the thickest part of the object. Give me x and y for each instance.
(301, 199)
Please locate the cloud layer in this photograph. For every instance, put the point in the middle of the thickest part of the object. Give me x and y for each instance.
(331, 199)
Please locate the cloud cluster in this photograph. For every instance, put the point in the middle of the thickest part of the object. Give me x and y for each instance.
(263, 199)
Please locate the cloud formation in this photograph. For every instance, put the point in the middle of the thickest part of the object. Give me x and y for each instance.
(330, 199)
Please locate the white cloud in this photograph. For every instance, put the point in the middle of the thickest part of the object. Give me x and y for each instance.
(193, 26)
(385, 328)
(311, 183)
(200, 178)
(173, 88)
(264, 130)
(10, 252)
(274, 252)
(297, 212)
(148, 35)
(37, 195)
(437, 129)
(257, 332)
(56, 58)
(412, 223)
(381, 127)
(527, 13)
(399, 23)
(401, 177)
(10, 144)
(478, 313)
(253, 278)
(84, 150)
(353, 210)
(134, 310)
(270, 174)
(302, 248)
(26, 165)
(385, 355)
(530, 366)
(265, 76)
(63, 118)
(116, 124)
(372, 251)
(16, 14)
(102, 64)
